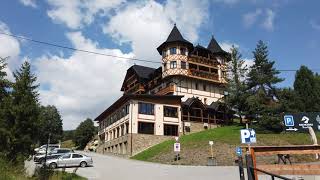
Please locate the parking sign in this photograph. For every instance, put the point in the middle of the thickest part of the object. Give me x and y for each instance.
(288, 120)
(248, 136)
(176, 147)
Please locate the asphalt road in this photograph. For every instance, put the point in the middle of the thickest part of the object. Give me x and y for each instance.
(114, 168)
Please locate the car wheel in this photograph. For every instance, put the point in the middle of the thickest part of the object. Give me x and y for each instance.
(83, 164)
(53, 165)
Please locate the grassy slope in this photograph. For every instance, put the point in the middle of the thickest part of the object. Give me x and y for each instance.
(195, 148)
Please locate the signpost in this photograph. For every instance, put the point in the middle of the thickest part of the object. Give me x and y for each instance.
(176, 149)
(248, 136)
(240, 162)
(301, 121)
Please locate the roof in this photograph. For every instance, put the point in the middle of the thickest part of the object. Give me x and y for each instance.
(144, 73)
(214, 47)
(174, 37)
(192, 100)
(166, 99)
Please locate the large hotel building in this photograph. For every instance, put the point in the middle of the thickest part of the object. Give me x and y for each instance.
(184, 95)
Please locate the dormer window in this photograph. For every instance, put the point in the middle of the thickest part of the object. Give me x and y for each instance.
(183, 51)
(164, 53)
(173, 50)
(173, 64)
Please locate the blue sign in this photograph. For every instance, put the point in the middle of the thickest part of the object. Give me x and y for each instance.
(288, 120)
(239, 151)
(248, 136)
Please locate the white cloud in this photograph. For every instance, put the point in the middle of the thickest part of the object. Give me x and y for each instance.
(268, 23)
(81, 85)
(77, 13)
(315, 25)
(250, 18)
(230, 2)
(147, 24)
(9, 47)
(266, 18)
(227, 46)
(31, 3)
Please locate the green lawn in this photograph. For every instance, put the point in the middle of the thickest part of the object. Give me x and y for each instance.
(227, 137)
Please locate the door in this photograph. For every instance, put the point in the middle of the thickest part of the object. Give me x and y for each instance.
(76, 159)
(65, 160)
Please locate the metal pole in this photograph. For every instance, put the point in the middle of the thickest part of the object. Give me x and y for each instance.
(45, 157)
(241, 171)
(249, 164)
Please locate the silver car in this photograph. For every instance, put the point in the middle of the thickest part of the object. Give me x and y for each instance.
(70, 159)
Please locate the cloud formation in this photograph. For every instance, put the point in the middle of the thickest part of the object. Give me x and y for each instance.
(77, 13)
(315, 25)
(263, 17)
(30, 3)
(82, 85)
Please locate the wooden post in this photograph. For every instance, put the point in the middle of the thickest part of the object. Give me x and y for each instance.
(313, 138)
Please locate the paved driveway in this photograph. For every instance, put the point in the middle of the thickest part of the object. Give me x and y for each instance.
(114, 168)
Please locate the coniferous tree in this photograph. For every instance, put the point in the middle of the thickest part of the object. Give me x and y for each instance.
(5, 133)
(50, 122)
(306, 87)
(261, 81)
(237, 95)
(25, 109)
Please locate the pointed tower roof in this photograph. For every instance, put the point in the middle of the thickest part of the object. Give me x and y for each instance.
(174, 37)
(214, 47)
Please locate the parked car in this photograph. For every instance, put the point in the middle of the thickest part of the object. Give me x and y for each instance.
(42, 149)
(55, 153)
(69, 160)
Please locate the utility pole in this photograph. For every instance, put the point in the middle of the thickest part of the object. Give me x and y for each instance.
(45, 157)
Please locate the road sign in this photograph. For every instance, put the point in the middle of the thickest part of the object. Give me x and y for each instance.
(176, 147)
(301, 121)
(210, 143)
(239, 151)
(248, 136)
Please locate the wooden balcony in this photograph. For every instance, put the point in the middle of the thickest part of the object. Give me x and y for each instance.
(203, 61)
(166, 90)
(204, 75)
(136, 88)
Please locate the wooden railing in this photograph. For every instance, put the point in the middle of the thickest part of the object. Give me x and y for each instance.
(166, 90)
(203, 60)
(203, 74)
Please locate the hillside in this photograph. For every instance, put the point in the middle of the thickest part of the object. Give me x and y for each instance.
(195, 148)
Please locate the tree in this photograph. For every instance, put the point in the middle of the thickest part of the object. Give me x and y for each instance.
(261, 81)
(288, 100)
(50, 123)
(236, 88)
(25, 109)
(84, 133)
(307, 89)
(5, 133)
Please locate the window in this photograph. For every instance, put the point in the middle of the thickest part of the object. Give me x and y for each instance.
(197, 86)
(165, 66)
(183, 65)
(66, 156)
(173, 64)
(170, 130)
(173, 50)
(204, 87)
(146, 108)
(77, 156)
(164, 53)
(170, 111)
(145, 128)
(183, 51)
(63, 151)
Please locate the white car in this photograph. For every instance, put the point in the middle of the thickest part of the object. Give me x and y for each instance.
(70, 160)
(42, 149)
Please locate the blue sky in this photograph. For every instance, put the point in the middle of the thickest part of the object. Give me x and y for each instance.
(82, 85)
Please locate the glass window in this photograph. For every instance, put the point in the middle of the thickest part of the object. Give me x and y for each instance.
(170, 130)
(173, 64)
(173, 50)
(170, 111)
(145, 128)
(165, 66)
(183, 51)
(77, 156)
(197, 86)
(146, 108)
(164, 53)
(204, 87)
(66, 156)
(183, 65)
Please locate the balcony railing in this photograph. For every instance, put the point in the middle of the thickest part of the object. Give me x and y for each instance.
(166, 90)
(203, 74)
(203, 60)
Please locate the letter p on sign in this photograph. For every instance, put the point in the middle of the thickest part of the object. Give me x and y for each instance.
(248, 136)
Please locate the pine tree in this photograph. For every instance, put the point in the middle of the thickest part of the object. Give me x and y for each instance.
(236, 88)
(25, 109)
(5, 133)
(307, 89)
(84, 133)
(50, 122)
(261, 81)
